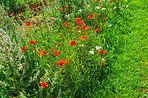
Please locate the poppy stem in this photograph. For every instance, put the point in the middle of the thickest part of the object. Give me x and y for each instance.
(14, 80)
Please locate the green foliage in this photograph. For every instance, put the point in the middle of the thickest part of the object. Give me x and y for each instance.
(15, 5)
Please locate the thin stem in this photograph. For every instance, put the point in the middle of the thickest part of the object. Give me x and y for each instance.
(14, 79)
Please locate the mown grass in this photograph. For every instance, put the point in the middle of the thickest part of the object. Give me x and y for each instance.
(129, 68)
(125, 70)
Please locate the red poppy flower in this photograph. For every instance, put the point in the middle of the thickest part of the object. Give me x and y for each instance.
(84, 56)
(61, 63)
(87, 28)
(58, 44)
(56, 52)
(36, 24)
(67, 6)
(79, 22)
(78, 19)
(83, 27)
(99, 24)
(101, 51)
(107, 52)
(53, 18)
(140, 70)
(58, 34)
(32, 42)
(44, 84)
(65, 61)
(39, 50)
(27, 23)
(28, 28)
(84, 37)
(66, 23)
(43, 52)
(84, 33)
(77, 26)
(97, 30)
(99, 14)
(24, 49)
(73, 42)
(61, 8)
(89, 17)
(51, 48)
(104, 18)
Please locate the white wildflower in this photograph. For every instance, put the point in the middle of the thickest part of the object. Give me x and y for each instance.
(110, 25)
(114, 7)
(123, 5)
(67, 16)
(98, 7)
(98, 48)
(126, 6)
(103, 8)
(80, 10)
(81, 45)
(88, 5)
(92, 49)
(92, 52)
(103, 59)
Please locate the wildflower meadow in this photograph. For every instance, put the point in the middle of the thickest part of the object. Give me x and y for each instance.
(73, 49)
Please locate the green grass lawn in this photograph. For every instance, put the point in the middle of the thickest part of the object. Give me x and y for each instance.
(128, 80)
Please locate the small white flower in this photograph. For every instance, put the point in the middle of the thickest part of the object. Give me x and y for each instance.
(79, 31)
(126, 6)
(103, 8)
(123, 5)
(103, 59)
(98, 48)
(92, 49)
(67, 16)
(98, 7)
(88, 5)
(92, 52)
(80, 10)
(114, 7)
(110, 25)
(81, 45)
